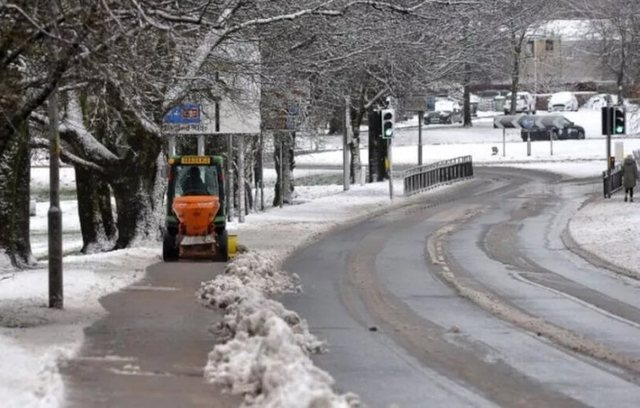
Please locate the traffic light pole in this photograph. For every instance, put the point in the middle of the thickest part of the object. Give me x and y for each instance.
(390, 168)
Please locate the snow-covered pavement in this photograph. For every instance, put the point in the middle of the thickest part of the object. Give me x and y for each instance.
(34, 337)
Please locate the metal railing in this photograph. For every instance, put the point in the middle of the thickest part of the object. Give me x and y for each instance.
(612, 183)
(425, 177)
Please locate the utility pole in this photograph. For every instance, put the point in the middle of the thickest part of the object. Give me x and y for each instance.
(229, 178)
(609, 119)
(55, 214)
(420, 119)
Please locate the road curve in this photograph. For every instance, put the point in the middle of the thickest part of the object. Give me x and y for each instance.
(470, 298)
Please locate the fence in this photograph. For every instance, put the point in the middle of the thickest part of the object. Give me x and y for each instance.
(612, 183)
(421, 178)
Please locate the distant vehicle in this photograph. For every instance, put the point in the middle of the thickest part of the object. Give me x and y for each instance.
(446, 111)
(474, 102)
(562, 101)
(487, 100)
(596, 102)
(525, 103)
(569, 130)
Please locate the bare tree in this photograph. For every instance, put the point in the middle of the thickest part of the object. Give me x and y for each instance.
(615, 34)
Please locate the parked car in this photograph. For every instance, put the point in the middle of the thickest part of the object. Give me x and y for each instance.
(525, 103)
(596, 102)
(562, 101)
(569, 130)
(446, 111)
(487, 100)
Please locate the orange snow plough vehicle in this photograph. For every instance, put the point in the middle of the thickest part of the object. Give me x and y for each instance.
(195, 223)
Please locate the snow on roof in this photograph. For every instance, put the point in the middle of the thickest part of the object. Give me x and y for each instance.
(568, 30)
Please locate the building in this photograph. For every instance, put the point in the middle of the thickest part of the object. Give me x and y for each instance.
(564, 54)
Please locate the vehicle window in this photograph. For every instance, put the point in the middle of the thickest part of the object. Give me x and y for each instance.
(196, 180)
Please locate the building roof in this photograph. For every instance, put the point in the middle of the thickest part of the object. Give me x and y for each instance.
(567, 30)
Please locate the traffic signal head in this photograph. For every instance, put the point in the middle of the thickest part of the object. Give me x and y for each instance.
(619, 123)
(388, 121)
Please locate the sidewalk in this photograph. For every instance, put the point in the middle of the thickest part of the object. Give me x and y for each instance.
(149, 350)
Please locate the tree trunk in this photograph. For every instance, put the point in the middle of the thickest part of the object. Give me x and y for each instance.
(336, 122)
(258, 170)
(15, 176)
(466, 108)
(283, 143)
(377, 148)
(137, 188)
(356, 162)
(94, 210)
(515, 79)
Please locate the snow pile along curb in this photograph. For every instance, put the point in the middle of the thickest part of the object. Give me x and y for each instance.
(266, 355)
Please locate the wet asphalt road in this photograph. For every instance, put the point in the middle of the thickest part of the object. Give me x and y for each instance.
(472, 296)
(149, 351)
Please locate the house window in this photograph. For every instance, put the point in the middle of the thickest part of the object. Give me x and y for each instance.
(530, 48)
(548, 45)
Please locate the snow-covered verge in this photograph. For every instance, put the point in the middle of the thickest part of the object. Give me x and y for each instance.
(610, 229)
(33, 337)
(266, 355)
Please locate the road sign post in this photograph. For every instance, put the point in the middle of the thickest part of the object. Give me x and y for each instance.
(504, 141)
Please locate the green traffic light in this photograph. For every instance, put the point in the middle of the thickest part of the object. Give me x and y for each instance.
(619, 129)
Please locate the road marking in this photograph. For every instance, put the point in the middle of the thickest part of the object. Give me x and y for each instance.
(153, 288)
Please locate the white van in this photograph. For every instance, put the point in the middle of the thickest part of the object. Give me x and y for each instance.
(525, 103)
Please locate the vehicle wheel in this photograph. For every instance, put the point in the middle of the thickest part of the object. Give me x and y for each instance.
(169, 248)
(223, 246)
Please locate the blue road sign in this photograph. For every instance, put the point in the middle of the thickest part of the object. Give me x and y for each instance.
(528, 121)
(185, 114)
(293, 110)
(431, 103)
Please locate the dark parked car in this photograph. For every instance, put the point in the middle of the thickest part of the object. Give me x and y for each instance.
(446, 111)
(552, 128)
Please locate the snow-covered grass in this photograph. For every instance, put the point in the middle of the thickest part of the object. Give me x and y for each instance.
(263, 337)
(33, 337)
(610, 229)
